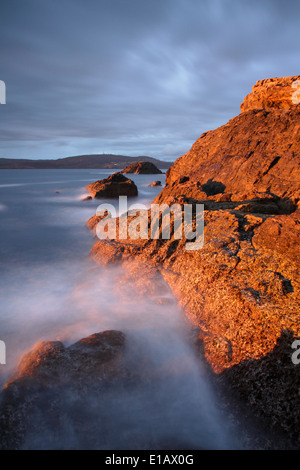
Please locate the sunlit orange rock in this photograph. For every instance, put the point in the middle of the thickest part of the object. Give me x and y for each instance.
(112, 187)
(273, 93)
(242, 289)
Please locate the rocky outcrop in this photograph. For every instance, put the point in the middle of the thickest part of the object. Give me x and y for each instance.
(95, 219)
(257, 151)
(51, 375)
(112, 187)
(154, 184)
(142, 168)
(272, 93)
(242, 289)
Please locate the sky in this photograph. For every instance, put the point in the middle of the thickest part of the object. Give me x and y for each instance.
(134, 77)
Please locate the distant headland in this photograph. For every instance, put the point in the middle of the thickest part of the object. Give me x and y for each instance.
(97, 161)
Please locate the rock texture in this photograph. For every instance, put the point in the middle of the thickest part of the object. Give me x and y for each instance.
(269, 384)
(112, 187)
(142, 168)
(49, 377)
(272, 93)
(95, 219)
(242, 289)
(257, 151)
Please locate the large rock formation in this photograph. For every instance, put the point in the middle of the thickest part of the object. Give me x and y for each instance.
(257, 151)
(242, 289)
(142, 168)
(112, 187)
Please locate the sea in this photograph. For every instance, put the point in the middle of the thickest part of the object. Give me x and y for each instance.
(51, 289)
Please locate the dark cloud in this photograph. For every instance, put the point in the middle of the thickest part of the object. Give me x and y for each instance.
(134, 77)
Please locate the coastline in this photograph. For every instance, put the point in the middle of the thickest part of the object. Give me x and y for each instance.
(151, 282)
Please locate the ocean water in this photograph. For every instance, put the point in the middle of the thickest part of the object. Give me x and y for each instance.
(51, 290)
(44, 249)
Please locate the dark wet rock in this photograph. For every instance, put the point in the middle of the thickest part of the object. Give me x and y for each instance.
(142, 168)
(50, 377)
(270, 386)
(112, 187)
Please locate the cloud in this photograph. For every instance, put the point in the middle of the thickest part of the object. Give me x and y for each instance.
(134, 77)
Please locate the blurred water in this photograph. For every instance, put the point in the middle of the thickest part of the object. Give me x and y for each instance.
(50, 289)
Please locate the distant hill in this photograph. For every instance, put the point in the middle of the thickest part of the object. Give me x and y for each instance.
(80, 162)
